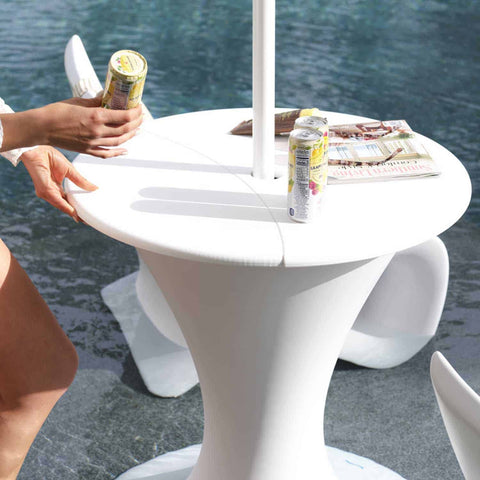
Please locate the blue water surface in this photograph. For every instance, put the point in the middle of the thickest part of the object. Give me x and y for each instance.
(416, 60)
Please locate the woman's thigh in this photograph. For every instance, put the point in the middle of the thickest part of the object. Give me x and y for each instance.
(35, 354)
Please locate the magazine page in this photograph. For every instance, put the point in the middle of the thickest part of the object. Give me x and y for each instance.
(376, 151)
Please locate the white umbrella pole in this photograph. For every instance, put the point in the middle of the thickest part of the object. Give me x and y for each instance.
(263, 89)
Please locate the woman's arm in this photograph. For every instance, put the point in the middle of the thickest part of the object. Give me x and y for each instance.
(12, 155)
(76, 124)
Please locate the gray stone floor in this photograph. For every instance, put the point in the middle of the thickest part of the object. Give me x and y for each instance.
(108, 422)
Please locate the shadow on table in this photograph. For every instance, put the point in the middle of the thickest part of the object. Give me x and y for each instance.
(166, 165)
(206, 203)
(192, 209)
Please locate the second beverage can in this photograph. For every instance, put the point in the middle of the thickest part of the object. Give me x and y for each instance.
(307, 172)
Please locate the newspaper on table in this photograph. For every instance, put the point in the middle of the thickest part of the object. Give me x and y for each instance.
(372, 151)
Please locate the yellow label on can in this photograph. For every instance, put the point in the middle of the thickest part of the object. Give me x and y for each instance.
(307, 172)
(125, 80)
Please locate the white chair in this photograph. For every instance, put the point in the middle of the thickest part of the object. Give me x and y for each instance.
(460, 409)
(80, 73)
(402, 313)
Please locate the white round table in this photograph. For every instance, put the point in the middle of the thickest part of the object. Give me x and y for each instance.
(265, 304)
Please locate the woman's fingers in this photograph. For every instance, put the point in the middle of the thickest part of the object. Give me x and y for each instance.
(61, 168)
(111, 134)
(111, 141)
(79, 180)
(105, 115)
(116, 117)
(105, 152)
(113, 130)
(84, 102)
(58, 199)
(54, 195)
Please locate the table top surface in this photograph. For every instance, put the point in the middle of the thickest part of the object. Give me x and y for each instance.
(185, 189)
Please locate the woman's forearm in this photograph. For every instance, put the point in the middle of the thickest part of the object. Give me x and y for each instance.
(20, 130)
(77, 124)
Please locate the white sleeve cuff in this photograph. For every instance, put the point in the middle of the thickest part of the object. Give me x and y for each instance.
(12, 156)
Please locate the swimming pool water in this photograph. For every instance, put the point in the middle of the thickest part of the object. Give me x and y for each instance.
(416, 60)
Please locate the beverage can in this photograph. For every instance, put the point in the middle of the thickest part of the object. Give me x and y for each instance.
(307, 172)
(320, 124)
(313, 122)
(125, 80)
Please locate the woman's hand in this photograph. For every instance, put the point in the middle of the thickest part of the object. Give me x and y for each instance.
(48, 168)
(77, 124)
(81, 125)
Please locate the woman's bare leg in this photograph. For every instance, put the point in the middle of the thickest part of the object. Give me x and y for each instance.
(37, 363)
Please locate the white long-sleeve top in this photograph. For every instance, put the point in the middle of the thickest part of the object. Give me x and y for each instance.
(11, 155)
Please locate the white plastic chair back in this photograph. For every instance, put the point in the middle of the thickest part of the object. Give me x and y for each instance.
(460, 409)
(402, 313)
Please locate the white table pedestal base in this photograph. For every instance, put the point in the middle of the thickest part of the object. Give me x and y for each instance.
(398, 319)
(178, 466)
(265, 341)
